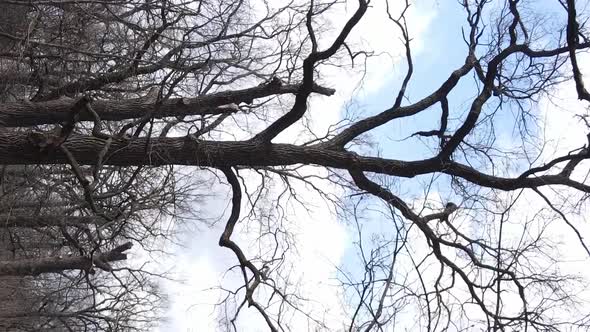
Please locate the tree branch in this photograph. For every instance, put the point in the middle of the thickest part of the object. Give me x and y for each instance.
(21, 114)
(36, 266)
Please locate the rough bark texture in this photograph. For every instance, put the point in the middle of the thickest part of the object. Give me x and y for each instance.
(15, 295)
(26, 113)
(37, 266)
(47, 221)
(22, 148)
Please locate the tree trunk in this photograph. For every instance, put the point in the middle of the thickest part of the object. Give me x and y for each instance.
(36, 266)
(48, 221)
(37, 148)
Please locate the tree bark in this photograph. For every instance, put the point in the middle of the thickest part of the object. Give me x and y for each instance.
(36, 266)
(48, 221)
(23, 148)
(26, 113)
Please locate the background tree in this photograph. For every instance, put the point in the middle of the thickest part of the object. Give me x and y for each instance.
(114, 109)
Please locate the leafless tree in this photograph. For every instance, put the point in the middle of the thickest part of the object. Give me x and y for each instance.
(110, 101)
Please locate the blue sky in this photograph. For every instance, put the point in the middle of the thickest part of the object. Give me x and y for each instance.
(203, 259)
(440, 50)
(443, 52)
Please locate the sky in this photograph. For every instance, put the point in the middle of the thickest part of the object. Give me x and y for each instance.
(324, 241)
(203, 262)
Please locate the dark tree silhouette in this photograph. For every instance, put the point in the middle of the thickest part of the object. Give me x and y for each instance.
(106, 104)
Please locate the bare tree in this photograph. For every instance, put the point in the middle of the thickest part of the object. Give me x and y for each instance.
(112, 101)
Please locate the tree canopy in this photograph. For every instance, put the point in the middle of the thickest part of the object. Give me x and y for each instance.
(118, 117)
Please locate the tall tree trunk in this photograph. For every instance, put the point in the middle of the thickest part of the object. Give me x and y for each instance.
(36, 266)
(48, 220)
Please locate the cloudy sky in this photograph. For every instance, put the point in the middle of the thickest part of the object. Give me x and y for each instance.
(435, 28)
(203, 263)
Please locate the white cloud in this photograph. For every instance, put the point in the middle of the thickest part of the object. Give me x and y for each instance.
(321, 239)
(565, 132)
